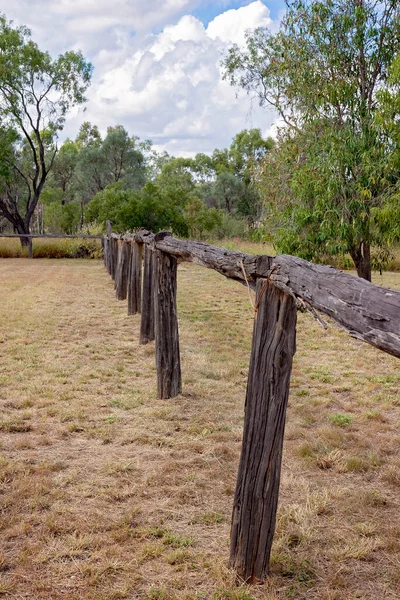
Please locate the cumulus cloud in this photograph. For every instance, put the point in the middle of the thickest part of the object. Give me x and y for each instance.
(91, 24)
(166, 86)
(232, 25)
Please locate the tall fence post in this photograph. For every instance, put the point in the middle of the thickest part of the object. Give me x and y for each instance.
(135, 279)
(117, 262)
(121, 278)
(114, 257)
(257, 488)
(169, 381)
(108, 229)
(106, 246)
(103, 247)
(30, 247)
(147, 320)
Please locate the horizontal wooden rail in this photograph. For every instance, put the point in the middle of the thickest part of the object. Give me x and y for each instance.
(366, 311)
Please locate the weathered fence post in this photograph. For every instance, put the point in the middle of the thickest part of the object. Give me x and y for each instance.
(257, 488)
(121, 278)
(118, 263)
(114, 257)
(107, 245)
(169, 382)
(112, 260)
(147, 320)
(110, 254)
(108, 229)
(106, 249)
(30, 247)
(135, 279)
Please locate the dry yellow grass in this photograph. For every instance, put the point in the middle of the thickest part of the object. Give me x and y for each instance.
(108, 493)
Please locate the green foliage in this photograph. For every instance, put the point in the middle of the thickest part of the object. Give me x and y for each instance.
(231, 185)
(36, 94)
(62, 218)
(62, 176)
(100, 163)
(128, 210)
(329, 183)
(232, 227)
(176, 179)
(202, 221)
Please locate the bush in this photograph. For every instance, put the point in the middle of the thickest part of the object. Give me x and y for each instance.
(231, 226)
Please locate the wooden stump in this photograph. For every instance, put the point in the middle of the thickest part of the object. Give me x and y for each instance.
(147, 320)
(256, 497)
(135, 279)
(169, 381)
(121, 279)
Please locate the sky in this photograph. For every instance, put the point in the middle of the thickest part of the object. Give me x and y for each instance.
(156, 64)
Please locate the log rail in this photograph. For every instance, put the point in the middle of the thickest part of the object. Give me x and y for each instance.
(283, 284)
(368, 312)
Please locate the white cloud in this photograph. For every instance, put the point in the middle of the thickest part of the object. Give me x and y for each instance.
(91, 24)
(232, 25)
(164, 86)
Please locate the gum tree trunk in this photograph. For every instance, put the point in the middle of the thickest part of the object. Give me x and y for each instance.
(362, 259)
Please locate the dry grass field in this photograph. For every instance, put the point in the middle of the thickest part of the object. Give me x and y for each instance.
(108, 493)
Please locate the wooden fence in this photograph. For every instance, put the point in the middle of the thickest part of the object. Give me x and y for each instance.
(283, 284)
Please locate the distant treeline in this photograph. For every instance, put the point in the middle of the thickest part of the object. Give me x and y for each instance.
(123, 179)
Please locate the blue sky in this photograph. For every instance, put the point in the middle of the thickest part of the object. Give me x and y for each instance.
(157, 64)
(207, 11)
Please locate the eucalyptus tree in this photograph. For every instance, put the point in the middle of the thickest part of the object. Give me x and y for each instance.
(332, 172)
(102, 162)
(36, 93)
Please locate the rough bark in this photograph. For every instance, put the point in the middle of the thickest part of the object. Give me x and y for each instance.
(147, 320)
(169, 381)
(256, 497)
(368, 312)
(362, 259)
(114, 257)
(121, 279)
(135, 280)
(108, 228)
(106, 244)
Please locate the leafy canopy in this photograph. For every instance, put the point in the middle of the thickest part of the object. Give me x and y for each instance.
(332, 172)
(36, 93)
